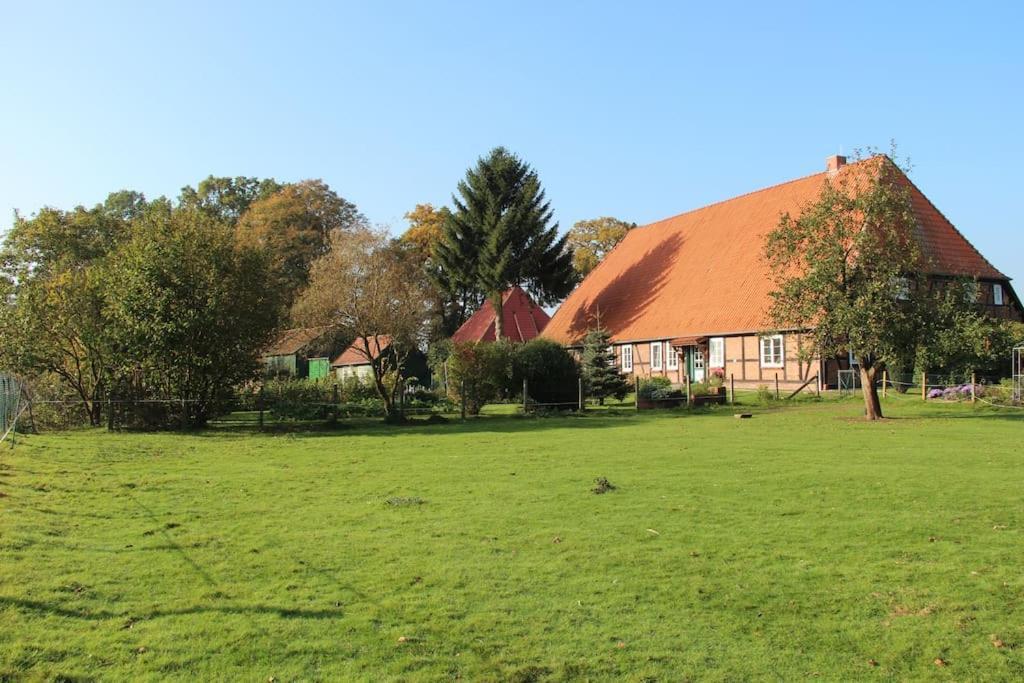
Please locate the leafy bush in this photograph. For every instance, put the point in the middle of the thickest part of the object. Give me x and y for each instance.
(551, 373)
(700, 389)
(296, 399)
(657, 388)
(479, 372)
(764, 395)
(716, 377)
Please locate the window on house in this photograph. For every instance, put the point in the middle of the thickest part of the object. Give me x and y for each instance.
(627, 358)
(972, 292)
(716, 352)
(997, 294)
(655, 355)
(771, 351)
(671, 357)
(902, 288)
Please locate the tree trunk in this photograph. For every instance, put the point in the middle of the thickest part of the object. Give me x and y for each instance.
(872, 406)
(499, 318)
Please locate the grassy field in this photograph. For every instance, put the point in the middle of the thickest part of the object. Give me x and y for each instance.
(799, 543)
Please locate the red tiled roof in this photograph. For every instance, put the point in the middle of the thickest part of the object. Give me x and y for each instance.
(294, 340)
(523, 318)
(701, 273)
(355, 354)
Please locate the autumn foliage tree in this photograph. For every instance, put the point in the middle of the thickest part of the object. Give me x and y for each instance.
(367, 289)
(591, 240)
(452, 301)
(294, 225)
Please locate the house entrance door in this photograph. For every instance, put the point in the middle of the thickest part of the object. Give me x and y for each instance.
(698, 365)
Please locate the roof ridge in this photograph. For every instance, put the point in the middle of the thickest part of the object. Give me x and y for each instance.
(753, 192)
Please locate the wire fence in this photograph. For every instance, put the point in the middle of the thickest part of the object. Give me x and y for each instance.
(12, 405)
(40, 408)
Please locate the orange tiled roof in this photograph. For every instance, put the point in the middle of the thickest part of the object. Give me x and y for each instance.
(355, 354)
(524, 319)
(701, 273)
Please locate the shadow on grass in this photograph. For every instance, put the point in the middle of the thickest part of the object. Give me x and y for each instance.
(101, 615)
(455, 425)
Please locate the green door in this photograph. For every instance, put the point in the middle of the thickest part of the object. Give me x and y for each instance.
(319, 367)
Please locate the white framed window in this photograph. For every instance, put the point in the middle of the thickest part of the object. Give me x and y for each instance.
(716, 352)
(627, 358)
(997, 294)
(656, 355)
(671, 357)
(772, 353)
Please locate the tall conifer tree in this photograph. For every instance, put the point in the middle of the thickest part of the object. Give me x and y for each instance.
(501, 234)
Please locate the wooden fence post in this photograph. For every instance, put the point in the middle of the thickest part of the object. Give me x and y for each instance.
(462, 395)
(259, 404)
(974, 381)
(579, 381)
(524, 396)
(776, 386)
(110, 410)
(924, 385)
(636, 392)
(732, 389)
(885, 380)
(687, 390)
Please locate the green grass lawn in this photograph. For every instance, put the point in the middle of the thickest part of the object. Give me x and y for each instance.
(800, 543)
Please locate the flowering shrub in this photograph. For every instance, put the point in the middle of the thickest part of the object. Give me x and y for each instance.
(957, 393)
(716, 378)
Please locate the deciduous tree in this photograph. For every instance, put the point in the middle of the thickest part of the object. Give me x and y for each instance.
(224, 198)
(369, 290)
(591, 240)
(849, 269)
(190, 308)
(294, 225)
(453, 301)
(53, 319)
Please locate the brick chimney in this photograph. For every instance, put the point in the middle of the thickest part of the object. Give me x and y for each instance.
(834, 163)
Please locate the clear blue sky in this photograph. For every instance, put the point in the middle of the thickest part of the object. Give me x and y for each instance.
(636, 110)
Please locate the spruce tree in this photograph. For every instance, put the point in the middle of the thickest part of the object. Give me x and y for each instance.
(501, 234)
(599, 370)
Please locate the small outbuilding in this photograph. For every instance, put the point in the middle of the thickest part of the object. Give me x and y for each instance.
(356, 362)
(303, 352)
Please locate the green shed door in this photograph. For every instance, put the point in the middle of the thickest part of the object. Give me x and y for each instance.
(319, 367)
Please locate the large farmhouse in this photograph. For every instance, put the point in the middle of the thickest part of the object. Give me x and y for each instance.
(690, 294)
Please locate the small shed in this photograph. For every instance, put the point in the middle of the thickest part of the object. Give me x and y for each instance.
(353, 361)
(300, 352)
